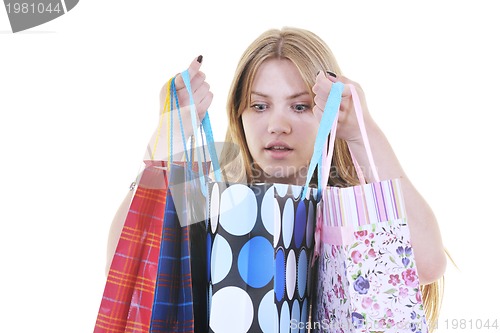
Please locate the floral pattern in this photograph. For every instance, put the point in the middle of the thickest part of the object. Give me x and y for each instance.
(373, 281)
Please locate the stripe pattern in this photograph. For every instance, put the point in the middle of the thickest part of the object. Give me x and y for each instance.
(128, 295)
(357, 206)
(366, 258)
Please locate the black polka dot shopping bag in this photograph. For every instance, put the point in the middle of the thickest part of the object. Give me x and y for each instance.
(261, 243)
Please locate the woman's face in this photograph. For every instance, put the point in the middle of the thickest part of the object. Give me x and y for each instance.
(279, 124)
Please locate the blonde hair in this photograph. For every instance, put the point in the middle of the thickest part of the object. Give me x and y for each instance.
(310, 54)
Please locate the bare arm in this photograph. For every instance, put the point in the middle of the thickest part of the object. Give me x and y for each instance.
(425, 234)
(157, 148)
(426, 239)
(159, 145)
(116, 228)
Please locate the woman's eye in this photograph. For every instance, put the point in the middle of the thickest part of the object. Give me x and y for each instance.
(259, 107)
(301, 107)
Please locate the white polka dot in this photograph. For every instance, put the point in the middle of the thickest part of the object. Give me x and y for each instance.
(214, 207)
(221, 259)
(302, 269)
(288, 218)
(304, 315)
(311, 222)
(311, 193)
(225, 316)
(238, 210)
(291, 274)
(209, 298)
(281, 189)
(277, 222)
(266, 210)
(268, 313)
(285, 318)
(296, 317)
(297, 190)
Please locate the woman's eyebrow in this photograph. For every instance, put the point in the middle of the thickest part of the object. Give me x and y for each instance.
(289, 97)
(259, 94)
(299, 95)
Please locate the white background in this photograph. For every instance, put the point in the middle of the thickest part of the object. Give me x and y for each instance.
(79, 101)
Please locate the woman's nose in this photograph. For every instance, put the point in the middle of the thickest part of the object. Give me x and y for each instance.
(278, 122)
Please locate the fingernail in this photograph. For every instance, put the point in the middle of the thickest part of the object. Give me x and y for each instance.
(200, 59)
(331, 73)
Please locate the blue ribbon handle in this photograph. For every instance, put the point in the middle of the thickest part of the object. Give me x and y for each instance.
(329, 114)
(207, 127)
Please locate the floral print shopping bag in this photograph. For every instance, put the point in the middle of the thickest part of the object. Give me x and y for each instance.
(367, 277)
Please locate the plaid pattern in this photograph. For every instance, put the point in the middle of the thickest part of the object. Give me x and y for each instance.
(129, 291)
(175, 296)
(173, 306)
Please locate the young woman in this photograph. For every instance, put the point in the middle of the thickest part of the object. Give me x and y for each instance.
(274, 108)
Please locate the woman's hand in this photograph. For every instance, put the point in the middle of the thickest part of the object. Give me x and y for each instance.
(348, 127)
(424, 229)
(200, 88)
(159, 146)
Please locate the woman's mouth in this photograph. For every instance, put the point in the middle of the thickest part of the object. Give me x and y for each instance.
(278, 150)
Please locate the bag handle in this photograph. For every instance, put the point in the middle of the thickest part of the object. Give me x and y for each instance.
(171, 98)
(327, 157)
(322, 154)
(168, 103)
(205, 126)
(327, 120)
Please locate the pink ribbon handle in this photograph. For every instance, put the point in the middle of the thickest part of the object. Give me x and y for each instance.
(328, 149)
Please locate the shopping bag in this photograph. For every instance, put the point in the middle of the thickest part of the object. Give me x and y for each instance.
(181, 294)
(129, 290)
(261, 242)
(150, 286)
(260, 245)
(367, 277)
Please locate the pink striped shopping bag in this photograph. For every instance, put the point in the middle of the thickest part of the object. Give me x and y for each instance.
(367, 277)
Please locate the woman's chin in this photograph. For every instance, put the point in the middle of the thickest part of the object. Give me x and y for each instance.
(276, 175)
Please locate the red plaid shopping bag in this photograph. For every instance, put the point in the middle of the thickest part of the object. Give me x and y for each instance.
(129, 291)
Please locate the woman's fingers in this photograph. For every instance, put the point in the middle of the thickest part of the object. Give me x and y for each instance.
(321, 90)
(200, 89)
(204, 105)
(348, 128)
(193, 69)
(197, 80)
(202, 98)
